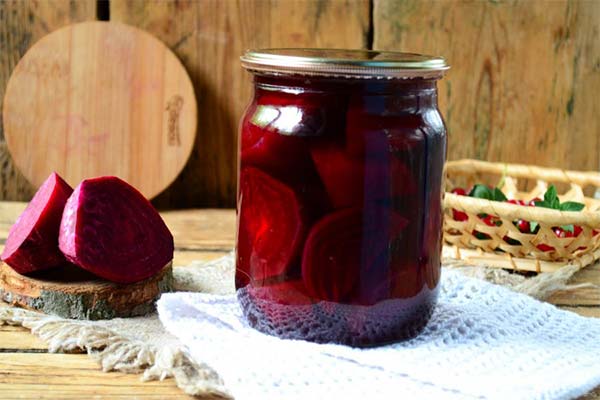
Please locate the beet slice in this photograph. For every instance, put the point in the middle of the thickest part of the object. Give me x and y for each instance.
(344, 256)
(32, 242)
(331, 260)
(272, 227)
(112, 230)
(286, 157)
(341, 175)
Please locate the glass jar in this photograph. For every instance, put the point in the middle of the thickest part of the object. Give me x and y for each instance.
(339, 195)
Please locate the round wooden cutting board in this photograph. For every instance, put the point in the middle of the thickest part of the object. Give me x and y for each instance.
(71, 292)
(100, 98)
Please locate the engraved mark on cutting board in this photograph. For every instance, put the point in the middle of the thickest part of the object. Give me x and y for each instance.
(173, 108)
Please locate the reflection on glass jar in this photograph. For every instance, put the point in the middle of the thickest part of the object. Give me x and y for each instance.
(339, 195)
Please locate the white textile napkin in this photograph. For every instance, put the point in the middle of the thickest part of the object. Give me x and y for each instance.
(483, 341)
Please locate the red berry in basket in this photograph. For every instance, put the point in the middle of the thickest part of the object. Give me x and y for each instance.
(523, 226)
(459, 191)
(517, 202)
(561, 233)
(459, 215)
(595, 232)
(577, 230)
(491, 220)
(532, 201)
(510, 241)
(544, 247)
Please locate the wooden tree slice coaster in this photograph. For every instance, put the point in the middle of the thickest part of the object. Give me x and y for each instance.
(71, 292)
(100, 98)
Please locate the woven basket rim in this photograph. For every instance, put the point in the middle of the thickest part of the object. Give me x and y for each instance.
(468, 166)
(513, 211)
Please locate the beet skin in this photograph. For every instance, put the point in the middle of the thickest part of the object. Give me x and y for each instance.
(112, 230)
(32, 242)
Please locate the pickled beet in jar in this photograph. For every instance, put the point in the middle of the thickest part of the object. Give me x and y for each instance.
(339, 195)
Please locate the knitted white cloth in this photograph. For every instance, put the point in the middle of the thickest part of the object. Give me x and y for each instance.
(483, 341)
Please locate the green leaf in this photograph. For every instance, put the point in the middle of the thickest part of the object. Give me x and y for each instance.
(533, 226)
(568, 228)
(484, 192)
(542, 203)
(481, 192)
(571, 206)
(498, 195)
(551, 198)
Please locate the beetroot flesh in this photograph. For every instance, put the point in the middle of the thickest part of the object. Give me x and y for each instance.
(272, 226)
(111, 230)
(341, 175)
(346, 254)
(331, 260)
(32, 242)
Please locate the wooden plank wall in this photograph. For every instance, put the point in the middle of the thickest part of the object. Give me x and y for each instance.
(522, 88)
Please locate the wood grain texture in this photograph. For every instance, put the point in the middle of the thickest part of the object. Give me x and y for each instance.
(17, 338)
(105, 99)
(22, 23)
(524, 79)
(209, 36)
(74, 376)
(70, 292)
(28, 374)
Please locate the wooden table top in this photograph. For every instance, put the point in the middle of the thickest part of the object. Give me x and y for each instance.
(28, 371)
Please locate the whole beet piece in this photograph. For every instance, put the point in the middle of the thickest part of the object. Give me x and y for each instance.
(112, 230)
(32, 242)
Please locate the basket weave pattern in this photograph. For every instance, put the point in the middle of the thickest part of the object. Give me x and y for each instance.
(495, 251)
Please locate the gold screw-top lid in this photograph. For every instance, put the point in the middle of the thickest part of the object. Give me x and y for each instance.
(367, 64)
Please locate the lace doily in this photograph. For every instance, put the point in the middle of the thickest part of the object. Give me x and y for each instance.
(483, 341)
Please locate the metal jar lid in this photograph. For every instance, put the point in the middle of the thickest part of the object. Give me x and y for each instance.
(367, 64)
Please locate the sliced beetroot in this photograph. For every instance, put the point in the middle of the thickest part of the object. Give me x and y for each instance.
(32, 242)
(345, 257)
(112, 230)
(331, 261)
(342, 176)
(272, 227)
(351, 181)
(286, 157)
(378, 115)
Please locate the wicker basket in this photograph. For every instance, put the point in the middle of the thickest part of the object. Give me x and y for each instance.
(460, 242)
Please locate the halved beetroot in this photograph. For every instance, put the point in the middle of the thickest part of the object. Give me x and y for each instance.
(32, 242)
(351, 181)
(272, 227)
(345, 255)
(331, 261)
(342, 176)
(286, 157)
(378, 115)
(112, 230)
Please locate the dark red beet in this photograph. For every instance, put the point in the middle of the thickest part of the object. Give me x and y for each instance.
(111, 230)
(332, 255)
(342, 175)
(272, 226)
(345, 251)
(351, 182)
(32, 242)
(281, 156)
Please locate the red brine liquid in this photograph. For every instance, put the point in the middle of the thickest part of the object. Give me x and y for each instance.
(339, 208)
